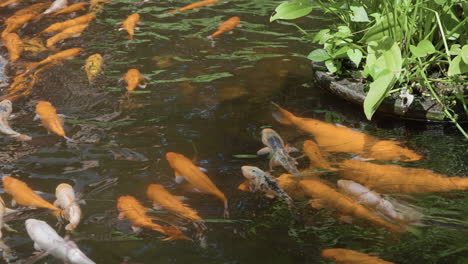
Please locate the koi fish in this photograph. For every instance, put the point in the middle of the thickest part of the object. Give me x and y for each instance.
(49, 118)
(393, 178)
(275, 145)
(132, 210)
(260, 181)
(71, 9)
(195, 5)
(133, 78)
(317, 161)
(334, 138)
(14, 45)
(25, 196)
(15, 22)
(93, 66)
(6, 107)
(325, 196)
(290, 184)
(57, 5)
(3, 211)
(129, 24)
(35, 9)
(161, 198)
(227, 25)
(371, 199)
(9, 2)
(66, 200)
(97, 5)
(71, 32)
(46, 239)
(347, 256)
(184, 169)
(57, 27)
(55, 58)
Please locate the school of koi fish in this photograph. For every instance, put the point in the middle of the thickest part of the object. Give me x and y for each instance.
(359, 195)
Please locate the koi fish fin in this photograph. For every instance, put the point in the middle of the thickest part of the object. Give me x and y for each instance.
(13, 203)
(346, 219)
(142, 86)
(274, 163)
(7, 227)
(181, 198)
(136, 229)
(283, 116)
(203, 169)
(318, 203)
(179, 178)
(290, 149)
(264, 151)
(120, 29)
(70, 140)
(157, 207)
(36, 117)
(121, 216)
(37, 247)
(244, 186)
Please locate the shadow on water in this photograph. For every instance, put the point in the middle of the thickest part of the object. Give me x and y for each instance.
(208, 102)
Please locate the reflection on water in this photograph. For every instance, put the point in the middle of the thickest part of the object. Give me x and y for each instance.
(209, 102)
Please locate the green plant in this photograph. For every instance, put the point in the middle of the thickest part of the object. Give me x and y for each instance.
(410, 44)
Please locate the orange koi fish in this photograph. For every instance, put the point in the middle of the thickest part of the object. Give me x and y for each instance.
(132, 210)
(161, 198)
(9, 2)
(14, 45)
(57, 27)
(49, 118)
(227, 25)
(15, 22)
(195, 5)
(393, 178)
(93, 66)
(25, 196)
(185, 169)
(71, 32)
(71, 9)
(133, 78)
(35, 9)
(325, 196)
(334, 138)
(129, 24)
(317, 161)
(347, 256)
(55, 58)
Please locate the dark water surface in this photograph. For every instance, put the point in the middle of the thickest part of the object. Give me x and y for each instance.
(209, 102)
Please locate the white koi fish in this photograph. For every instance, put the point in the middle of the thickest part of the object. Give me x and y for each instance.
(57, 5)
(6, 107)
(66, 200)
(46, 239)
(274, 144)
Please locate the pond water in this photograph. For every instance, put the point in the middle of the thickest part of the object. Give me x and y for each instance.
(209, 101)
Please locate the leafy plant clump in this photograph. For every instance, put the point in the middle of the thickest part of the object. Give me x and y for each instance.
(414, 47)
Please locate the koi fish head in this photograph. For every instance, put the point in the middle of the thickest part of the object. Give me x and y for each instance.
(44, 107)
(6, 107)
(172, 157)
(8, 182)
(269, 135)
(65, 189)
(251, 172)
(126, 202)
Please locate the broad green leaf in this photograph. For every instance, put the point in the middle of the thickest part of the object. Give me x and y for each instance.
(464, 54)
(359, 14)
(322, 36)
(318, 55)
(378, 90)
(341, 53)
(389, 26)
(455, 49)
(457, 66)
(332, 66)
(424, 48)
(292, 10)
(383, 55)
(355, 56)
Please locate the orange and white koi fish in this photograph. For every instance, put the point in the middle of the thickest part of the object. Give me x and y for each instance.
(397, 179)
(161, 198)
(195, 5)
(14, 45)
(129, 24)
(15, 22)
(347, 256)
(132, 210)
(66, 200)
(71, 9)
(6, 107)
(55, 58)
(227, 25)
(133, 79)
(57, 27)
(389, 208)
(71, 32)
(325, 196)
(25, 196)
(185, 169)
(317, 161)
(49, 118)
(35, 9)
(334, 138)
(57, 5)
(93, 66)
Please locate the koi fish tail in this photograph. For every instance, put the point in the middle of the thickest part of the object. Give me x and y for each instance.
(226, 209)
(173, 233)
(172, 11)
(283, 116)
(214, 35)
